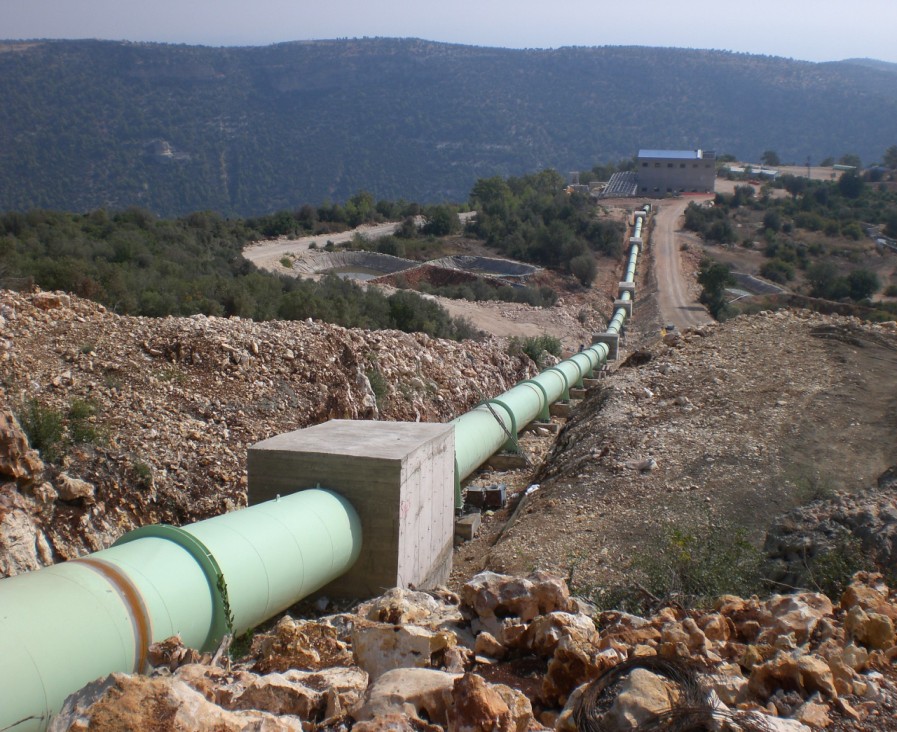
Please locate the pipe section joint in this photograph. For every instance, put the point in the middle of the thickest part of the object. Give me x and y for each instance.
(222, 621)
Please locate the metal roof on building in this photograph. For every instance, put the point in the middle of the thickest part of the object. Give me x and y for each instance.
(672, 154)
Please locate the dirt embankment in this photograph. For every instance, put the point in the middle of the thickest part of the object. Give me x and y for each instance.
(732, 423)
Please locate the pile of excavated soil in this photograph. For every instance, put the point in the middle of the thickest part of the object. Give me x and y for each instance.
(167, 408)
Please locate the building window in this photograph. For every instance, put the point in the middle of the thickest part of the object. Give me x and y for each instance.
(669, 165)
(644, 165)
(681, 165)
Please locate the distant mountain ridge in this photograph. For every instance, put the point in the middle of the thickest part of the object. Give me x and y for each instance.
(88, 124)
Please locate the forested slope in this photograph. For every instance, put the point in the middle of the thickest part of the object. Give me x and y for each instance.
(88, 124)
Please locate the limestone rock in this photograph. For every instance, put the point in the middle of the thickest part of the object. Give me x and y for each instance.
(798, 614)
(642, 695)
(873, 630)
(140, 703)
(17, 460)
(545, 632)
(814, 714)
(72, 489)
(415, 692)
(400, 607)
(478, 707)
(310, 695)
(23, 544)
(488, 594)
(379, 647)
(299, 645)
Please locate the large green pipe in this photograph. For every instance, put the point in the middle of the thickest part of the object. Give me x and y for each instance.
(64, 626)
(489, 427)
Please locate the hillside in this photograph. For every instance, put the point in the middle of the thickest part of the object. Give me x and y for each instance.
(243, 131)
(741, 421)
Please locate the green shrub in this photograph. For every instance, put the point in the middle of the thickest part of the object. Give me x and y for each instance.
(44, 428)
(81, 429)
(831, 570)
(688, 565)
(536, 347)
(378, 385)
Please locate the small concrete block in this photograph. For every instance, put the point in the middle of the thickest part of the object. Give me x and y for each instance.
(399, 477)
(637, 240)
(495, 496)
(576, 393)
(590, 383)
(542, 426)
(467, 526)
(559, 409)
(475, 496)
(507, 461)
(626, 305)
(611, 340)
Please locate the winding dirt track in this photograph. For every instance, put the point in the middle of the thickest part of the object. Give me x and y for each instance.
(676, 304)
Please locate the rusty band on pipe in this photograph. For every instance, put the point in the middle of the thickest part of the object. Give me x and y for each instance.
(133, 601)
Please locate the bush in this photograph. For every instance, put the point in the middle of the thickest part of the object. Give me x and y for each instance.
(44, 428)
(693, 566)
(81, 429)
(777, 271)
(536, 347)
(378, 385)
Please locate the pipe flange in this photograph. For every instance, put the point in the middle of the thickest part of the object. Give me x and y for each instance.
(222, 619)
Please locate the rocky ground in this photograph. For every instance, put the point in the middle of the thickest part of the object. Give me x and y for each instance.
(782, 423)
(156, 414)
(514, 654)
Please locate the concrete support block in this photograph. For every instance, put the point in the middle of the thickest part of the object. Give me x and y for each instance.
(612, 341)
(542, 427)
(627, 287)
(467, 526)
(399, 476)
(577, 393)
(626, 305)
(635, 240)
(561, 409)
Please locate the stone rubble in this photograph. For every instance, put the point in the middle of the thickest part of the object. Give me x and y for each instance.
(790, 663)
(175, 402)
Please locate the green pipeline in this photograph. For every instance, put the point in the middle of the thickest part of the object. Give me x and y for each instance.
(494, 424)
(66, 625)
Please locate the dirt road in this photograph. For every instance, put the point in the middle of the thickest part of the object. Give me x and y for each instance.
(676, 302)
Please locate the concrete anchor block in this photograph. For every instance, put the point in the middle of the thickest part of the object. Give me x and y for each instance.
(626, 305)
(576, 393)
(627, 287)
(611, 340)
(399, 477)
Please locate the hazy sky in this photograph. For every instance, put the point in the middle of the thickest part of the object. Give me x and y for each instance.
(815, 30)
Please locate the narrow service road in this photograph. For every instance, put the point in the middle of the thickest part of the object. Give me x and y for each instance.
(676, 305)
